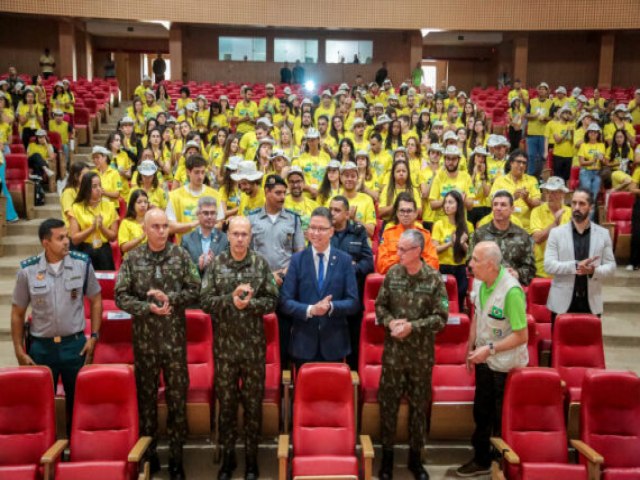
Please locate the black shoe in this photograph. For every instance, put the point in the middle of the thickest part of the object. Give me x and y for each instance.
(386, 468)
(229, 464)
(251, 470)
(416, 467)
(154, 463)
(176, 472)
(472, 469)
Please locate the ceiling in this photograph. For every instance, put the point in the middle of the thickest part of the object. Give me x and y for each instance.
(108, 28)
(452, 38)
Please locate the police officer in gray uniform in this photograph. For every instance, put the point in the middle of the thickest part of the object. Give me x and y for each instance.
(277, 234)
(55, 283)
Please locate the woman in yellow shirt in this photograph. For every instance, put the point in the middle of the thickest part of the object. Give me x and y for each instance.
(346, 151)
(30, 118)
(136, 112)
(70, 109)
(122, 162)
(131, 232)
(110, 179)
(130, 140)
(93, 223)
(184, 100)
(147, 179)
(60, 99)
(515, 115)
(590, 156)
(367, 178)
(162, 97)
(229, 192)
(216, 151)
(286, 142)
(399, 181)
(202, 116)
(450, 236)
(330, 186)
(439, 112)
(217, 117)
(619, 156)
(338, 131)
(70, 192)
(41, 156)
(481, 185)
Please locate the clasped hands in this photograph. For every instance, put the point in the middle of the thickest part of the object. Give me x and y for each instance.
(322, 307)
(400, 328)
(164, 309)
(242, 295)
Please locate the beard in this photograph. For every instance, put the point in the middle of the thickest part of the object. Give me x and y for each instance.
(579, 216)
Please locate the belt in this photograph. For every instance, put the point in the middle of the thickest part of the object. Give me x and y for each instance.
(58, 339)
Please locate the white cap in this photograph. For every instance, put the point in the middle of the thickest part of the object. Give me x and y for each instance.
(348, 166)
(335, 164)
(41, 133)
(543, 85)
(480, 151)
(191, 106)
(452, 151)
(461, 93)
(295, 169)
(146, 78)
(147, 167)
(265, 122)
(246, 170)
(233, 162)
(436, 147)
(382, 119)
(269, 85)
(127, 120)
(451, 89)
(554, 184)
(359, 106)
(593, 127)
(100, 150)
(449, 135)
(190, 144)
(561, 90)
(343, 86)
(280, 153)
(326, 93)
(357, 121)
(287, 90)
(362, 153)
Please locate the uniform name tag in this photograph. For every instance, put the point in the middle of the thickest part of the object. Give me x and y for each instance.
(103, 276)
(118, 315)
(453, 321)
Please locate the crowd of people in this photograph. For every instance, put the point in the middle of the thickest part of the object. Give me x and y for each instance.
(289, 203)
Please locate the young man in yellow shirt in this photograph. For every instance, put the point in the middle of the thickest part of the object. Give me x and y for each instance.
(538, 114)
(450, 178)
(326, 107)
(361, 207)
(296, 201)
(57, 124)
(562, 133)
(246, 113)
(249, 182)
(270, 102)
(143, 87)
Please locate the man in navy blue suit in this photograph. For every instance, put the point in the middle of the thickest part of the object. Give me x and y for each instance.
(319, 293)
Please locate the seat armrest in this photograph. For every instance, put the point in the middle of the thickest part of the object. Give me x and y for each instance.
(283, 456)
(505, 450)
(367, 456)
(54, 452)
(355, 378)
(286, 377)
(587, 452)
(138, 450)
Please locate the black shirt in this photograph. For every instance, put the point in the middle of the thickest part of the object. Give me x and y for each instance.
(581, 246)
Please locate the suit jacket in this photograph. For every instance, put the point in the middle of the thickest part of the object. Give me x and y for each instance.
(192, 243)
(326, 336)
(559, 261)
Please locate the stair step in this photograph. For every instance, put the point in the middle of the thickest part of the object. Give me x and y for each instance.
(9, 265)
(24, 227)
(20, 245)
(6, 293)
(5, 320)
(48, 211)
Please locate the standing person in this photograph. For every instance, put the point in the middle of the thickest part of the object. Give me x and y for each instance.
(237, 290)
(47, 64)
(351, 237)
(417, 75)
(590, 156)
(159, 68)
(109, 66)
(412, 305)
(381, 74)
(538, 115)
(497, 343)
(155, 284)
(298, 73)
(285, 73)
(318, 294)
(55, 283)
(579, 255)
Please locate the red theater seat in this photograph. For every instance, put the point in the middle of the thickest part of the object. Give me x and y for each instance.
(27, 423)
(324, 427)
(534, 438)
(532, 342)
(537, 295)
(610, 424)
(19, 185)
(273, 377)
(116, 339)
(369, 369)
(452, 292)
(371, 287)
(104, 433)
(619, 211)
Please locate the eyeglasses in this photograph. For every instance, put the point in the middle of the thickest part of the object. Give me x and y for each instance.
(209, 214)
(319, 229)
(406, 211)
(402, 250)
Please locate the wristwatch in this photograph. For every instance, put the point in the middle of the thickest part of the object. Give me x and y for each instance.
(492, 349)
(95, 335)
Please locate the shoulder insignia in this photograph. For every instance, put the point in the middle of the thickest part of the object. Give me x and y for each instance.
(30, 261)
(254, 211)
(79, 256)
(292, 212)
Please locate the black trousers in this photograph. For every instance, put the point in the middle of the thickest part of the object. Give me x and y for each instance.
(37, 164)
(487, 412)
(460, 272)
(515, 136)
(562, 167)
(101, 258)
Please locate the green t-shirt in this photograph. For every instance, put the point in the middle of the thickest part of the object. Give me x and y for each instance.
(416, 77)
(514, 303)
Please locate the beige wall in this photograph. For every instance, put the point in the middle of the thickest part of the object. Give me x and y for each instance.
(22, 41)
(626, 61)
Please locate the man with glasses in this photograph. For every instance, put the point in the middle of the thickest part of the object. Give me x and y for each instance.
(237, 290)
(156, 282)
(318, 294)
(404, 217)
(205, 242)
(412, 305)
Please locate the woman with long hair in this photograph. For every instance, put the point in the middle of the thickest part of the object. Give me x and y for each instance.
(286, 142)
(229, 192)
(438, 112)
(231, 149)
(469, 111)
(136, 112)
(130, 140)
(481, 185)
(330, 186)
(399, 181)
(217, 117)
(414, 155)
(70, 192)
(591, 156)
(515, 115)
(30, 117)
(478, 137)
(367, 179)
(216, 150)
(338, 132)
(424, 122)
(131, 231)
(619, 156)
(147, 178)
(450, 236)
(93, 223)
(162, 97)
(346, 151)
(123, 162)
(41, 156)
(394, 136)
(263, 155)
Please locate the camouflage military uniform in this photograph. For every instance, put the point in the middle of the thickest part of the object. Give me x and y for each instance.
(407, 363)
(516, 246)
(159, 342)
(239, 341)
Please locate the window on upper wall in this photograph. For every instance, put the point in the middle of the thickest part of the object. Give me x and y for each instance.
(346, 51)
(292, 49)
(239, 49)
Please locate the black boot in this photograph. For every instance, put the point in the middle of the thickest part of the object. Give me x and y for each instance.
(251, 469)
(154, 463)
(176, 472)
(415, 466)
(228, 465)
(386, 468)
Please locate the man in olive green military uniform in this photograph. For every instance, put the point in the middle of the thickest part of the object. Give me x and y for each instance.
(55, 284)
(515, 243)
(156, 282)
(412, 305)
(238, 289)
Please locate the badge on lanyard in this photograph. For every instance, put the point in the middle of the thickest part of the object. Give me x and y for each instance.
(74, 294)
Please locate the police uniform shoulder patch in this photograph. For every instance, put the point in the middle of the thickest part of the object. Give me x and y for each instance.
(254, 211)
(80, 256)
(292, 212)
(30, 261)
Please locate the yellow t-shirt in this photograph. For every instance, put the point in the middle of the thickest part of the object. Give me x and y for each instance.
(157, 196)
(182, 103)
(270, 104)
(313, 167)
(508, 183)
(541, 218)
(243, 110)
(220, 120)
(522, 92)
(495, 168)
(61, 128)
(364, 207)
(63, 102)
(381, 163)
(303, 208)
(536, 127)
(565, 147)
(216, 154)
(43, 150)
(589, 151)
(129, 230)
(202, 120)
(112, 182)
(443, 184)
(66, 202)
(231, 199)
(619, 159)
(249, 145)
(610, 129)
(32, 118)
(382, 201)
(619, 177)
(185, 203)
(442, 233)
(329, 112)
(634, 109)
(85, 216)
(248, 204)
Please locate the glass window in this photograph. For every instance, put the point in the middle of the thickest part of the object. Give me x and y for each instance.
(349, 51)
(239, 49)
(292, 49)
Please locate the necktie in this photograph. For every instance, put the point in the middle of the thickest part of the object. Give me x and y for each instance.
(320, 270)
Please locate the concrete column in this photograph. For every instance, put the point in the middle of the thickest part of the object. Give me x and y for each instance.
(67, 45)
(415, 50)
(521, 58)
(175, 51)
(88, 42)
(607, 47)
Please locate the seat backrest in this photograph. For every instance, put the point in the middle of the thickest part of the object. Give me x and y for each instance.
(323, 410)
(116, 253)
(620, 206)
(17, 167)
(81, 116)
(55, 139)
(452, 292)
(452, 342)
(532, 341)
(105, 413)
(272, 360)
(533, 416)
(610, 416)
(116, 339)
(27, 414)
(370, 352)
(577, 345)
(107, 281)
(371, 287)
(199, 349)
(537, 295)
